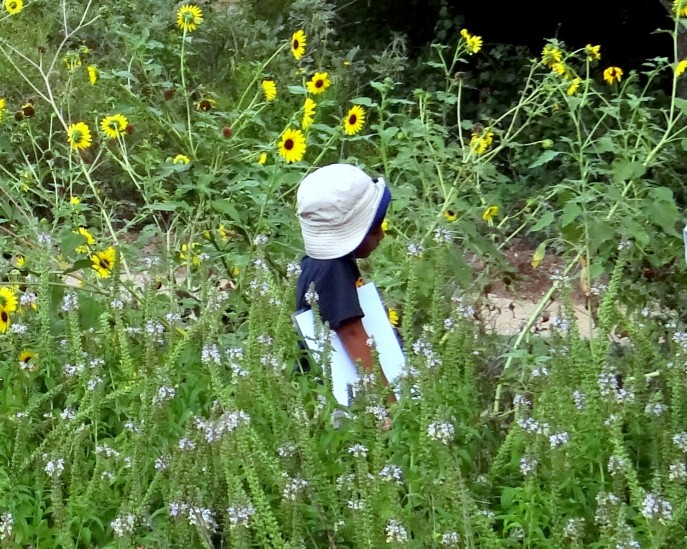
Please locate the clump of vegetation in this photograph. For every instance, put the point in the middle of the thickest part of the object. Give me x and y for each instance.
(148, 391)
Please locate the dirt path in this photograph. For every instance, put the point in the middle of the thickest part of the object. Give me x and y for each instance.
(512, 297)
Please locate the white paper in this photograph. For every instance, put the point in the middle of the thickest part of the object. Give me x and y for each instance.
(343, 371)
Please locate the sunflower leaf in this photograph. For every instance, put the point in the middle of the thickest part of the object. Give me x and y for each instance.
(364, 101)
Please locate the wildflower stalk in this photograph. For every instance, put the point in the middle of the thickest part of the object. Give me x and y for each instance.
(267, 529)
(44, 315)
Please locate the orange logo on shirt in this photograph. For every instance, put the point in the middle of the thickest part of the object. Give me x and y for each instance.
(359, 283)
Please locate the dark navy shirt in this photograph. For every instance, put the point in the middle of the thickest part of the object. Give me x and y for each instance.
(336, 284)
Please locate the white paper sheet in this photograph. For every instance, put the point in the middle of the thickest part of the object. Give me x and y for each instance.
(343, 371)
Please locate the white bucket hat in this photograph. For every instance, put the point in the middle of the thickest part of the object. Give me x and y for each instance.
(336, 205)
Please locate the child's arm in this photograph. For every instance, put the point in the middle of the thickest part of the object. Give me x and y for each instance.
(354, 339)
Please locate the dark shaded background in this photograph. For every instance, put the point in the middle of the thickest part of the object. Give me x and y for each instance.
(626, 30)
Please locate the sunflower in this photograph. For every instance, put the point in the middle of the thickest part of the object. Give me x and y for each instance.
(8, 299)
(308, 113)
(13, 7)
(298, 43)
(114, 126)
(559, 68)
(292, 145)
(79, 136)
(26, 361)
(574, 85)
(72, 60)
(550, 55)
(75, 201)
(2, 107)
(481, 141)
(393, 316)
(385, 225)
(450, 215)
(262, 159)
(206, 104)
(89, 240)
(181, 159)
(4, 320)
(92, 74)
(319, 83)
(472, 42)
(269, 88)
(354, 120)
(680, 8)
(593, 52)
(189, 17)
(104, 262)
(681, 67)
(28, 110)
(613, 74)
(490, 213)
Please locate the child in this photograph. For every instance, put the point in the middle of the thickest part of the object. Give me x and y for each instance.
(341, 211)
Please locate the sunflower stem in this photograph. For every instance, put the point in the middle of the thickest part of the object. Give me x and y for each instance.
(187, 97)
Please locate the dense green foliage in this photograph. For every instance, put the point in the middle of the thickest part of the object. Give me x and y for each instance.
(148, 392)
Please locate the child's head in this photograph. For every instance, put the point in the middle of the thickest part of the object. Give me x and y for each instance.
(341, 209)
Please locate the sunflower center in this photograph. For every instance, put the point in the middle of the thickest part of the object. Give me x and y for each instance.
(4, 317)
(296, 44)
(104, 263)
(352, 119)
(288, 144)
(450, 213)
(12, 5)
(76, 135)
(319, 83)
(27, 359)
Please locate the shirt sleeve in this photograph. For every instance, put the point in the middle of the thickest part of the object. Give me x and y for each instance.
(337, 293)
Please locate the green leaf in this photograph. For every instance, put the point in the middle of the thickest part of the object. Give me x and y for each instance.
(297, 90)
(78, 265)
(624, 170)
(538, 255)
(662, 194)
(364, 101)
(507, 497)
(227, 208)
(387, 134)
(544, 158)
(166, 206)
(604, 144)
(571, 211)
(600, 232)
(125, 74)
(544, 221)
(681, 104)
(660, 207)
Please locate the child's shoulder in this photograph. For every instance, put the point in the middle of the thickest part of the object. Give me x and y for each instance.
(312, 269)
